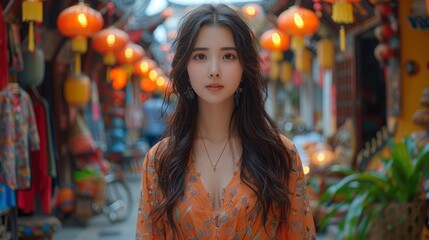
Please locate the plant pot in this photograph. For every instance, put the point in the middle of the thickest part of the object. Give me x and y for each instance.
(399, 221)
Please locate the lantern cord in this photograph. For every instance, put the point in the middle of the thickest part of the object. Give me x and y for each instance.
(31, 36)
(298, 2)
(342, 38)
(77, 68)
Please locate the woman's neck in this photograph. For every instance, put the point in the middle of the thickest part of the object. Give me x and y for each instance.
(214, 122)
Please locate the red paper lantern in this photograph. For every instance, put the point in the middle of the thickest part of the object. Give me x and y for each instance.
(109, 40)
(298, 22)
(143, 66)
(148, 85)
(274, 40)
(155, 73)
(119, 77)
(79, 22)
(130, 54)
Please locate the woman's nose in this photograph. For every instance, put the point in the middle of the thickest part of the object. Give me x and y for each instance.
(212, 74)
(214, 69)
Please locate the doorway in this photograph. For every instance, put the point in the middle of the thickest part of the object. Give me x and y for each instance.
(371, 87)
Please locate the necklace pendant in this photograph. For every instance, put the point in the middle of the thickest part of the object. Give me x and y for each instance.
(214, 169)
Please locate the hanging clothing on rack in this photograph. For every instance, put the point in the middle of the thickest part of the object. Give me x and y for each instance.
(41, 182)
(18, 134)
(52, 159)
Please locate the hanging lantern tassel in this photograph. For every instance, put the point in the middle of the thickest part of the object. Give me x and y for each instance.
(32, 11)
(31, 36)
(77, 64)
(342, 38)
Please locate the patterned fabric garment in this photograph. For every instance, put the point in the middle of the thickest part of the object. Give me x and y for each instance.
(18, 135)
(237, 217)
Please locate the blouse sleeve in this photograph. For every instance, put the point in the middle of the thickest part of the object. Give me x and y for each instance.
(150, 196)
(300, 219)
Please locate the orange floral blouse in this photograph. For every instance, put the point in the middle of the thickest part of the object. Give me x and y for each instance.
(237, 218)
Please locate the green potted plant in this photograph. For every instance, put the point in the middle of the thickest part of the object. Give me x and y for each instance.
(377, 204)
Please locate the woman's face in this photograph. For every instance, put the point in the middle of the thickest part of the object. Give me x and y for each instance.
(214, 68)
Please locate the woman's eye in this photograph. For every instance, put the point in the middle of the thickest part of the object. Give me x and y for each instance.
(199, 56)
(229, 56)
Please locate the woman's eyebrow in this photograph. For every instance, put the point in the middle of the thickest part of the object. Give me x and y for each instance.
(228, 48)
(200, 49)
(222, 49)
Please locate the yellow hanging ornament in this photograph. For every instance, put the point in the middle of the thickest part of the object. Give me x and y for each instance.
(342, 38)
(342, 13)
(32, 11)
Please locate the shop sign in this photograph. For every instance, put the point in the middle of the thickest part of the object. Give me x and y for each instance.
(419, 22)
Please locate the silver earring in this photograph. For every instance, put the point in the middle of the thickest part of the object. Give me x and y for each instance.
(237, 96)
(190, 95)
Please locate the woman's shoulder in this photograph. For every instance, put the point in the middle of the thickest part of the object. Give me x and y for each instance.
(287, 142)
(291, 148)
(159, 146)
(157, 149)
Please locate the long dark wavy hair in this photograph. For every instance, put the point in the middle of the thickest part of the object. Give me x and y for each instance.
(265, 164)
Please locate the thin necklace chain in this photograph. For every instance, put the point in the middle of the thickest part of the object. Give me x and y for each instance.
(208, 155)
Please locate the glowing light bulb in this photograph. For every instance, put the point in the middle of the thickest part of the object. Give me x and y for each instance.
(82, 20)
(298, 20)
(111, 39)
(251, 11)
(160, 81)
(153, 74)
(128, 53)
(277, 40)
(320, 157)
(144, 67)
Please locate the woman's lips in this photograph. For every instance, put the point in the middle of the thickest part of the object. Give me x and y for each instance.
(214, 87)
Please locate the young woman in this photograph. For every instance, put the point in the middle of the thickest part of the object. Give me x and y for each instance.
(223, 171)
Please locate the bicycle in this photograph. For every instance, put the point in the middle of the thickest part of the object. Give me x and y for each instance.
(116, 204)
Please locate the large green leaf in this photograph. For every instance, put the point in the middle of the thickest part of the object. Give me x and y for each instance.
(353, 215)
(372, 178)
(422, 162)
(402, 166)
(333, 209)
